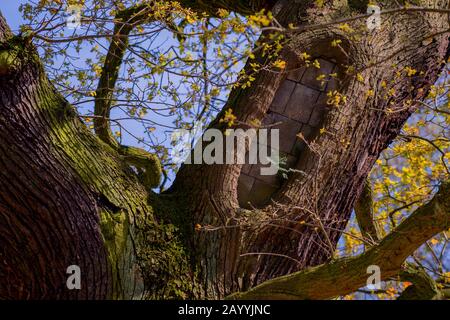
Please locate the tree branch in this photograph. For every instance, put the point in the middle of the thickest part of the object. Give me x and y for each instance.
(346, 275)
(5, 31)
(244, 7)
(147, 165)
(423, 286)
(126, 21)
(364, 214)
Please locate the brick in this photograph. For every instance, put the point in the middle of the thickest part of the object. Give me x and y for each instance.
(311, 74)
(268, 118)
(301, 103)
(332, 84)
(323, 98)
(326, 66)
(296, 74)
(318, 115)
(288, 130)
(282, 96)
(273, 180)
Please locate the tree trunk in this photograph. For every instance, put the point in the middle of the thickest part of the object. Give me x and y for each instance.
(67, 198)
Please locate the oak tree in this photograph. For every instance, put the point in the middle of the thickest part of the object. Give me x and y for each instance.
(74, 192)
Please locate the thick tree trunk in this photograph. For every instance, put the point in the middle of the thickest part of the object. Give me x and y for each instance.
(66, 198)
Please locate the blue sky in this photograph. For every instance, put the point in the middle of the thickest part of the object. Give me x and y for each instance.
(10, 10)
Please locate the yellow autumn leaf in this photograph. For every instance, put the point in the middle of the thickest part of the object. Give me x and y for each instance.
(279, 64)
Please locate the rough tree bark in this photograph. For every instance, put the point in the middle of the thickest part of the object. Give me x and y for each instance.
(69, 198)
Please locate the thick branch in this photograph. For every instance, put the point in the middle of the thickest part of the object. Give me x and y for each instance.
(148, 166)
(346, 275)
(423, 286)
(126, 21)
(5, 31)
(364, 214)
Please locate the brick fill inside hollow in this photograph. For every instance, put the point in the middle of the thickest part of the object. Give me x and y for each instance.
(299, 106)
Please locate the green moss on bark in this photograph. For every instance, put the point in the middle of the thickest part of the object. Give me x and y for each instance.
(140, 249)
(14, 53)
(165, 263)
